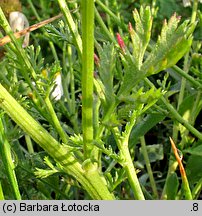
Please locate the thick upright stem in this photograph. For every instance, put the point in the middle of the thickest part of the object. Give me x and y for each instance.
(87, 73)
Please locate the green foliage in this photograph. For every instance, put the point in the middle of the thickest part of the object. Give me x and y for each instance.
(193, 165)
(106, 71)
(143, 126)
(41, 173)
(141, 35)
(172, 186)
(172, 44)
(167, 8)
(132, 75)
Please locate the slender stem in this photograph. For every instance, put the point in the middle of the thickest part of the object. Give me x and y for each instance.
(5, 152)
(72, 83)
(103, 26)
(72, 26)
(197, 189)
(183, 81)
(148, 165)
(109, 12)
(34, 10)
(87, 7)
(108, 18)
(181, 97)
(176, 115)
(179, 118)
(1, 192)
(195, 108)
(187, 76)
(194, 11)
(122, 143)
(96, 115)
(29, 144)
(55, 120)
(65, 81)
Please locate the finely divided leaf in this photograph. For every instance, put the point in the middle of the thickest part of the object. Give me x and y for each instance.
(140, 38)
(106, 71)
(132, 75)
(172, 44)
(141, 35)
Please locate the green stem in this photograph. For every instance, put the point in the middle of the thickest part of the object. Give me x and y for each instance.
(179, 118)
(65, 80)
(176, 115)
(29, 144)
(5, 152)
(181, 96)
(183, 81)
(104, 27)
(87, 13)
(91, 180)
(194, 11)
(148, 165)
(108, 20)
(110, 13)
(1, 192)
(34, 10)
(72, 26)
(122, 143)
(55, 121)
(187, 76)
(197, 189)
(96, 115)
